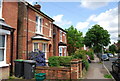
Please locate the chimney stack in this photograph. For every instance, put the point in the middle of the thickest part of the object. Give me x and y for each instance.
(37, 6)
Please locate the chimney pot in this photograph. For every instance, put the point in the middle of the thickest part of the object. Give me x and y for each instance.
(37, 6)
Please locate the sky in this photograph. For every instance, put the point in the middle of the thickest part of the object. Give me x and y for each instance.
(83, 14)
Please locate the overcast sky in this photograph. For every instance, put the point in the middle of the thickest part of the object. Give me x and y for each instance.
(83, 14)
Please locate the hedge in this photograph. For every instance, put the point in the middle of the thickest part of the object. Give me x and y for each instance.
(56, 61)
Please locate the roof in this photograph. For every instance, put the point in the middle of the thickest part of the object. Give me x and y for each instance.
(5, 26)
(54, 25)
(40, 12)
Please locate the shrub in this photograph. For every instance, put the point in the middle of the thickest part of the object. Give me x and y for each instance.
(39, 57)
(86, 63)
(65, 60)
(53, 61)
(91, 54)
(80, 54)
(59, 61)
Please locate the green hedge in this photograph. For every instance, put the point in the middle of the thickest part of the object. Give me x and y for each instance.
(56, 61)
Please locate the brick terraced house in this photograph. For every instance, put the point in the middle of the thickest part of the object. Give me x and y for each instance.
(60, 41)
(8, 36)
(25, 28)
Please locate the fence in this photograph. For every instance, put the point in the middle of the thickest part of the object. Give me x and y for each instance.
(72, 72)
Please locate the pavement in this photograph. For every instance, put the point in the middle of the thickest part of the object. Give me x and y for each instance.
(96, 70)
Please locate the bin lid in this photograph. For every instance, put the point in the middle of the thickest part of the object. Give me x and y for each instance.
(40, 74)
(20, 60)
(29, 61)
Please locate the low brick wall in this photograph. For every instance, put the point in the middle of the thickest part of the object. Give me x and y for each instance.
(73, 72)
(55, 72)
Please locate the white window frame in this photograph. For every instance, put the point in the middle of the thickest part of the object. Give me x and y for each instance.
(44, 50)
(1, 8)
(4, 62)
(65, 52)
(60, 51)
(60, 36)
(39, 27)
(34, 45)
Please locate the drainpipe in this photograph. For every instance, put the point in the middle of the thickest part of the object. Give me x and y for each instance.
(27, 31)
(11, 57)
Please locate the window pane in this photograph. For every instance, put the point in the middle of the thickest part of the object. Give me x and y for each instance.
(40, 25)
(35, 46)
(2, 40)
(36, 23)
(1, 55)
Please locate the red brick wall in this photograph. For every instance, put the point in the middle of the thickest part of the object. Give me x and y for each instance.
(11, 19)
(72, 72)
(55, 72)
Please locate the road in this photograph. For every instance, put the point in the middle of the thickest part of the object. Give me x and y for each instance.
(108, 65)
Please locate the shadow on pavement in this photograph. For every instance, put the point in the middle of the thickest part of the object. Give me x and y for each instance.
(115, 76)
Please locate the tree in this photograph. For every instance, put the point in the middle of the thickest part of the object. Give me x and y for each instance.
(97, 38)
(112, 48)
(75, 40)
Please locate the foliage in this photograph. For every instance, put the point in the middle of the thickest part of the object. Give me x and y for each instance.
(56, 61)
(97, 37)
(81, 54)
(75, 40)
(112, 48)
(39, 57)
(91, 54)
(108, 76)
(86, 63)
(53, 61)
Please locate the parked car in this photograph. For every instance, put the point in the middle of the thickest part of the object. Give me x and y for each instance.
(110, 54)
(104, 57)
(115, 54)
(116, 67)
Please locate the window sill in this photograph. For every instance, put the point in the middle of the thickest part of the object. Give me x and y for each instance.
(38, 33)
(4, 65)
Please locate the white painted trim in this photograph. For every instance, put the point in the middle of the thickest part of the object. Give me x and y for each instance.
(4, 65)
(4, 32)
(1, 8)
(63, 46)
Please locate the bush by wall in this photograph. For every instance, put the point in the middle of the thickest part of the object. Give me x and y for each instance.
(81, 54)
(56, 61)
(38, 56)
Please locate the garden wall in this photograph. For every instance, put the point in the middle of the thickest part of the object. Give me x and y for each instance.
(72, 72)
